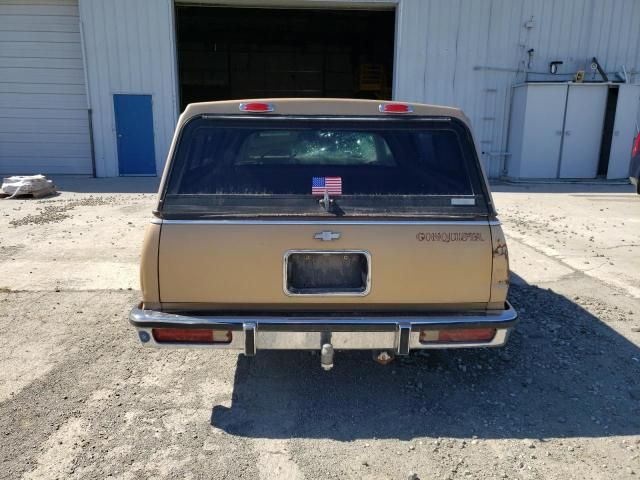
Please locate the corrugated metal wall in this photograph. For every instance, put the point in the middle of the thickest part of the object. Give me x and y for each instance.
(442, 44)
(43, 105)
(130, 48)
(466, 53)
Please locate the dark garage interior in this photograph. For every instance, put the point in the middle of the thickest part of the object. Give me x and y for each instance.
(235, 53)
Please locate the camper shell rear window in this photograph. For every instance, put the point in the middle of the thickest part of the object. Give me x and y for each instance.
(282, 166)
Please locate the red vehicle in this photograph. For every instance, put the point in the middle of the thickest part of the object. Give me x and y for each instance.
(634, 167)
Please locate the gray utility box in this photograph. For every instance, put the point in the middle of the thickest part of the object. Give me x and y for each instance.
(556, 130)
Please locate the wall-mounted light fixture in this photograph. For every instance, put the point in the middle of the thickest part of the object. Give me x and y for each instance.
(553, 66)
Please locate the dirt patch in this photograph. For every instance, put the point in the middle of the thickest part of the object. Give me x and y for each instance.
(8, 251)
(54, 213)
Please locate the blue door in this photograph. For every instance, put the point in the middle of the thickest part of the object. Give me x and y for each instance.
(134, 131)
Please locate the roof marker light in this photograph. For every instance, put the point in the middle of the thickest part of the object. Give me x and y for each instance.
(256, 107)
(395, 108)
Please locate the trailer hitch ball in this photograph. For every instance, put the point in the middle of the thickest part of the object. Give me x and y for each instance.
(326, 356)
(384, 357)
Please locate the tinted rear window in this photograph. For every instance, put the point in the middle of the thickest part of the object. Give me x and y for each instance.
(268, 167)
(314, 147)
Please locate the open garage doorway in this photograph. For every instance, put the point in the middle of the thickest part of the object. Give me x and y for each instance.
(235, 53)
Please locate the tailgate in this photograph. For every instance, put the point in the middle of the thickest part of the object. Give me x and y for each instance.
(241, 265)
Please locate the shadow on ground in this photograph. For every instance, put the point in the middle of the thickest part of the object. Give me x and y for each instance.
(564, 374)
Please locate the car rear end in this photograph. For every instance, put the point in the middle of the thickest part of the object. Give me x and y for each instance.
(324, 225)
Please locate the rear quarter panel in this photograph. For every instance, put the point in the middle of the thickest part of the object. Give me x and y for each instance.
(149, 267)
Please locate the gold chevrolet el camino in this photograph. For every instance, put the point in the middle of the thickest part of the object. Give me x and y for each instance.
(324, 224)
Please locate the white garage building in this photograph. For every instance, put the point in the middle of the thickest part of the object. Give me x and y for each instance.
(96, 86)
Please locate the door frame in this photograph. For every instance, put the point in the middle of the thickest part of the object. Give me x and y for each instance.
(395, 5)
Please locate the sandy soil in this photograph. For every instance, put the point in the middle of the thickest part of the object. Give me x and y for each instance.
(79, 398)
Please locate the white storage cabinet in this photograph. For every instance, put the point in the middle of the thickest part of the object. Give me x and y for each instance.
(556, 130)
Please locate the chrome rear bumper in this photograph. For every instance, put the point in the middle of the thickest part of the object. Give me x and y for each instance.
(372, 332)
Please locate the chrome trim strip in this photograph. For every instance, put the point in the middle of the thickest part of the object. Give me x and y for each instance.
(285, 263)
(373, 117)
(493, 223)
(144, 318)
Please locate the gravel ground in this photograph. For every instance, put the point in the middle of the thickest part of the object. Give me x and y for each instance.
(79, 398)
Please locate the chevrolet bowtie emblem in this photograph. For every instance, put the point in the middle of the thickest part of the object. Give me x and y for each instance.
(327, 236)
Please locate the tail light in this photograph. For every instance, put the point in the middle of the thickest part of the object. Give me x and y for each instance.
(395, 108)
(461, 335)
(191, 335)
(636, 146)
(259, 107)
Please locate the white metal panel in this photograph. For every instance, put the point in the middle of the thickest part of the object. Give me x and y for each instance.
(43, 104)
(42, 75)
(411, 42)
(130, 49)
(542, 131)
(516, 129)
(43, 100)
(624, 131)
(49, 63)
(50, 125)
(584, 120)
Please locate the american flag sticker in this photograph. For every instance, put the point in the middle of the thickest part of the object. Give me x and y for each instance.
(330, 185)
